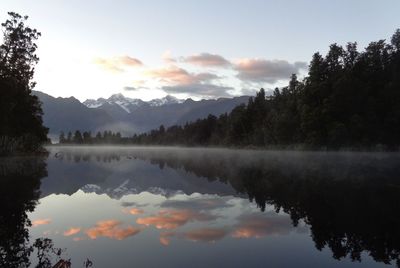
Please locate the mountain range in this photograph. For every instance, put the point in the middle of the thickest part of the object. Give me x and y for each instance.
(127, 115)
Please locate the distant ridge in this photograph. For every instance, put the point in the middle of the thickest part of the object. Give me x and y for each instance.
(127, 115)
(129, 104)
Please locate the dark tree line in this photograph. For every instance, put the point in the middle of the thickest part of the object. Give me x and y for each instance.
(20, 112)
(349, 99)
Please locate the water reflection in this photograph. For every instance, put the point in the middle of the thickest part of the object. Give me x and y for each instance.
(350, 201)
(138, 202)
(19, 193)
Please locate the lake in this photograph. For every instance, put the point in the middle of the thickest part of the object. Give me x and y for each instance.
(182, 207)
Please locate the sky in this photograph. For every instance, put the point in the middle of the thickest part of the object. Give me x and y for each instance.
(190, 48)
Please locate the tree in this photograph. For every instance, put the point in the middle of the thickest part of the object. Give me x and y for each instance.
(20, 111)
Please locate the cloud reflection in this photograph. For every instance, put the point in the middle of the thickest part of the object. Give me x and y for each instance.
(133, 211)
(72, 231)
(111, 229)
(165, 238)
(201, 235)
(257, 226)
(38, 222)
(171, 219)
(206, 234)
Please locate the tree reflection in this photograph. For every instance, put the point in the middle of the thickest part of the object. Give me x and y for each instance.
(351, 203)
(77, 156)
(20, 179)
(19, 193)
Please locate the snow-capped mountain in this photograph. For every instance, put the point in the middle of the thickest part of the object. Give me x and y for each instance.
(164, 101)
(128, 104)
(127, 115)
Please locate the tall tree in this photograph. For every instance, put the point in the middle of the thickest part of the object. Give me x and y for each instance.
(20, 111)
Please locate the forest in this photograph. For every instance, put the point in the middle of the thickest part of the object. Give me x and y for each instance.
(350, 99)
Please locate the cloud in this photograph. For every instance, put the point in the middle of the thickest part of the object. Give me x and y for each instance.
(167, 57)
(177, 80)
(201, 90)
(256, 226)
(129, 61)
(207, 60)
(38, 222)
(72, 231)
(174, 75)
(172, 219)
(130, 88)
(111, 229)
(270, 71)
(117, 64)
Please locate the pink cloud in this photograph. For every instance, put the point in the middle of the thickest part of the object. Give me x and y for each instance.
(174, 75)
(117, 64)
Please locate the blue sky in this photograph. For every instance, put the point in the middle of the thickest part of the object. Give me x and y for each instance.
(199, 49)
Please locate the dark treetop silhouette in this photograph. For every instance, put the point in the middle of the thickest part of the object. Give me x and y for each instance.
(20, 112)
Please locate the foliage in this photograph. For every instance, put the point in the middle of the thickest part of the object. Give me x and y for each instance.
(20, 111)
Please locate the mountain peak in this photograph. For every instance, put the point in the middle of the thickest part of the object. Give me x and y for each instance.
(128, 104)
(165, 101)
(117, 97)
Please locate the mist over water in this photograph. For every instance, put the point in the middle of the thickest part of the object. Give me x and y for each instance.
(184, 205)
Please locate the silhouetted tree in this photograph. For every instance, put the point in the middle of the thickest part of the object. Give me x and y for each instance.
(20, 111)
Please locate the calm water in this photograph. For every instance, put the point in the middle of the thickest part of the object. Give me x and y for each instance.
(170, 207)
